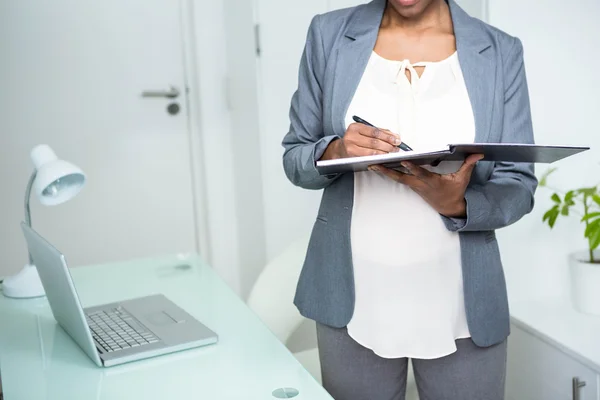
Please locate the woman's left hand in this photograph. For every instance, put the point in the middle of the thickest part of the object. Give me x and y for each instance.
(445, 193)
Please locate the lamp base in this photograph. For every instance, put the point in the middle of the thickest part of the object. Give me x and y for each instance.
(25, 284)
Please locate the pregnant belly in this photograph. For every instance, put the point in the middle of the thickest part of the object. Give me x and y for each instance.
(392, 225)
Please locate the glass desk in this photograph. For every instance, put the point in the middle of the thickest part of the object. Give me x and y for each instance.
(38, 360)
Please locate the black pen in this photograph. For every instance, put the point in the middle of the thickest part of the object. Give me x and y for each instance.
(402, 146)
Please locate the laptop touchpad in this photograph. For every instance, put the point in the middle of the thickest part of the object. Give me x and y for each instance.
(161, 318)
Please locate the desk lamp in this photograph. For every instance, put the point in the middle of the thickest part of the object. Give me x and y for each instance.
(53, 181)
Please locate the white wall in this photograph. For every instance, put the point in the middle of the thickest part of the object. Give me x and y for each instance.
(242, 95)
(210, 95)
(270, 212)
(289, 211)
(560, 41)
(476, 8)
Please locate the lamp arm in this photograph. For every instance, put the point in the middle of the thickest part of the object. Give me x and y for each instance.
(27, 210)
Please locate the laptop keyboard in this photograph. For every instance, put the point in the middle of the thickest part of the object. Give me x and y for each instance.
(116, 329)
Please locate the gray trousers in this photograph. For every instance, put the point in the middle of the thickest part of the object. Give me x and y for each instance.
(353, 372)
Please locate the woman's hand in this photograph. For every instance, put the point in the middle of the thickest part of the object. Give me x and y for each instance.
(362, 140)
(445, 193)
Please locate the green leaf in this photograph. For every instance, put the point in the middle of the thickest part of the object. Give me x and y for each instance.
(551, 215)
(565, 210)
(596, 198)
(589, 216)
(550, 212)
(587, 191)
(553, 218)
(591, 228)
(544, 178)
(569, 196)
(556, 198)
(594, 239)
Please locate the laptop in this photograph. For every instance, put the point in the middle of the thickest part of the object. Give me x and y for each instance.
(116, 333)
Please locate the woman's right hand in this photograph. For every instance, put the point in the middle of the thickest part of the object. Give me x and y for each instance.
(362, 140)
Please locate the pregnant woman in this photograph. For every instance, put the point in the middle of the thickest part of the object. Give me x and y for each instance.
(406, 265)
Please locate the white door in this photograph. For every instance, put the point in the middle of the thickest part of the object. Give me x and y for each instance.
(71, 76)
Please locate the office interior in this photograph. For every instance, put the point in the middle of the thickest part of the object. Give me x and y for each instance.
(175, 110)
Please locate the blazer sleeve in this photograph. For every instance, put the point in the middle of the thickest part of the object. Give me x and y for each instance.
(509, 193)
(305, 142)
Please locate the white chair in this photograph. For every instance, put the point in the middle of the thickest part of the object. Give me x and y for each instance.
(272, 298)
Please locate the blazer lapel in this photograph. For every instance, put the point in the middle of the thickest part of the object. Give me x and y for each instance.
(478, 67)
(477, 64)
(352, 58)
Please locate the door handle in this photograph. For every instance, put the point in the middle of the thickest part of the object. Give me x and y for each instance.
(577, 385)
(172, 93)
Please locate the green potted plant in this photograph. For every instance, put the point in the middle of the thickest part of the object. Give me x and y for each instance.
(584, 266)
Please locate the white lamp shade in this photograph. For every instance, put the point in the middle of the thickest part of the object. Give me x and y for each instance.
(57, 180)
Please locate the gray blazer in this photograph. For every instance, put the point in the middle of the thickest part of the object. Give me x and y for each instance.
(338, 47)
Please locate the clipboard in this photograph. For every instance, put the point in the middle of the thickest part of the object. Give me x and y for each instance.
(508, 152)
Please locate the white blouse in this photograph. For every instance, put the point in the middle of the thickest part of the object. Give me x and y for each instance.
(407, 265)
